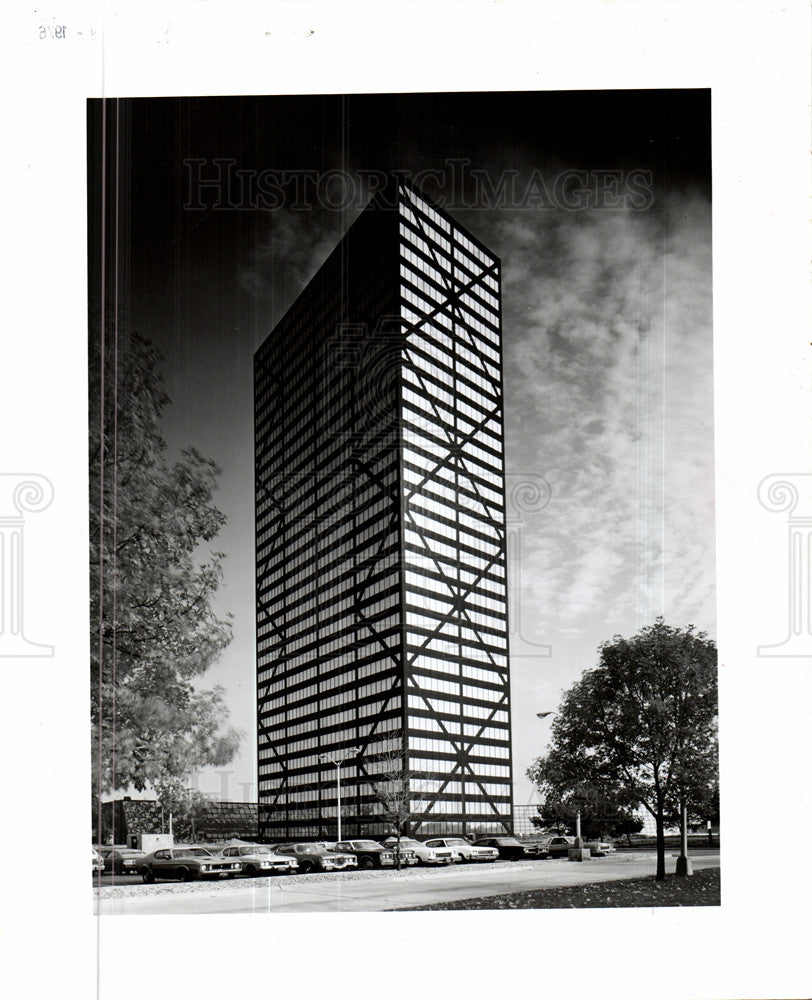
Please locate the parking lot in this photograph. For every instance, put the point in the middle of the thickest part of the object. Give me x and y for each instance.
(370, 891)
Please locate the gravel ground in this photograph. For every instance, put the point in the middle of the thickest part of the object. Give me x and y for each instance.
(224, 885)
(432, 871)
(700, 889)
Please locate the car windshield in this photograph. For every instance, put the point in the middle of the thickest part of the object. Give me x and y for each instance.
(507, 842)
(193, 852)
(255, 850)
(458, 841)
(364, 845)
(310, 849)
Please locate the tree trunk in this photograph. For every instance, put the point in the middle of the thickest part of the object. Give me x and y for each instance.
(660, 876)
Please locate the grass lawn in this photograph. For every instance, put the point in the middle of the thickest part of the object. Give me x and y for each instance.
(700, 889)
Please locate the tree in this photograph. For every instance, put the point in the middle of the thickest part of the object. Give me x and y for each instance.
(186, 806)
(605, 812)
(642, 724)
(154, 630)
(400, 790)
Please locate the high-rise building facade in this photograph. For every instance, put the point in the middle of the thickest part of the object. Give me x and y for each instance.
(382, 634)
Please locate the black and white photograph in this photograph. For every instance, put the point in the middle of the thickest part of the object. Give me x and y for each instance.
(404, 501)
(391, 410)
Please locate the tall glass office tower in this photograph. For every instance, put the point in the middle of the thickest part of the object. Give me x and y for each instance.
(382, 635)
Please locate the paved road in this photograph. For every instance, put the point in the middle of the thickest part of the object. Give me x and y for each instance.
(337, 894)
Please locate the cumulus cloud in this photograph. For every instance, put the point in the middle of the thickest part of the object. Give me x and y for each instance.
(608, 382)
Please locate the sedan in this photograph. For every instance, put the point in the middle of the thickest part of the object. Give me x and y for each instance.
(316, 858)
(98, 863)
(370, 855)
(425, 855)
(121, 860)
(559, 847)
(258, 859)
(463, 850)
(509, 848)
(186, 864)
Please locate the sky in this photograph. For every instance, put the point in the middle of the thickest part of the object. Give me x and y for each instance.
(597, 203)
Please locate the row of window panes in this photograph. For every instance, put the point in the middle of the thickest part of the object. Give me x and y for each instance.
(435, 391)
(491, 677)
(488, 528)
(427, 745)
(424, 564)
(475, 282)
(417, 241)
(438, 705)
(436, 441)
(477, 298)
(474, 250)
(456, 551)
(416, 617)
(426, 289)
(468, 350)
(423, 365)
(479, 580)
(433, 340)
(418, 264)
(425, 683)
(421, 303)
(436, 643)
(476, 327)
(469, 484)
(466, 375)
(437, 244)
(432, 232)
(479, 318)
(435, 725)
(427, 210)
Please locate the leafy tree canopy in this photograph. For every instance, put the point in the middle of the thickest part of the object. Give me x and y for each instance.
(605, 812)
(641, 726)
(154, 629)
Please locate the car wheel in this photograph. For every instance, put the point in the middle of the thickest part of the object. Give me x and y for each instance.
(249, 870)
(305, 867)
(186, 875)
(148, 875)
(366, 864)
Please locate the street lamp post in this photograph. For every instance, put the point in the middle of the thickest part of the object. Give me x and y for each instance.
(337, 762)
(684, 865)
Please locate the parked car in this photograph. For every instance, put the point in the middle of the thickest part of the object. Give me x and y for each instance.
(259, 859)
(558, 847)
(98, 863)
(316, 857)
(463, 850)
(425, 855)
(187, 864)
(121, 860)
(509, 848)
(368, 854)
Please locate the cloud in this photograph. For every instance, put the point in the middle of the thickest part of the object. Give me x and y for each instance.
(608, 383)
(289, 251)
